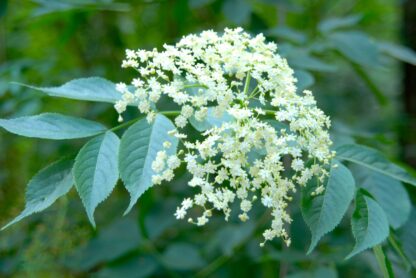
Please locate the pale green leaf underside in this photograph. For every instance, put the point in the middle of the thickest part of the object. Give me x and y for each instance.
(374, 160)
(322, 213)
(182, 256)
(210, 121)
(90, 89)
(46, 187)
(305, 79)
(391, 195)
(357, 47)
(369, 224)
(52, 126)
(138, 148)
(399, 52)
(408, 237)
(331, 24)
(96, 171)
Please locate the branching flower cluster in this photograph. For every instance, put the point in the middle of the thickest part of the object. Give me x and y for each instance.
(273, 140)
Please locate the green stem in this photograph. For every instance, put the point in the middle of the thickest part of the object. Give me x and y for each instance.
(207, 271)
(382, 262)
(381, 98)
(399, 251)
(378, 94)
(123, 125)
(195, 86)
(128, 123)
(247, 85)
(172, 113)
(254, 92)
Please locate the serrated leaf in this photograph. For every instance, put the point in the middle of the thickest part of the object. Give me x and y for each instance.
(357, 47)
(373, 160)
(399, 52)
(391, 195)
(46, 187)
(369, 223)
(138, 148)
(96, 171)
(322, 213)
(52, 126)
(210, 121)
(90, 89)
(182, 256)
(331, 24)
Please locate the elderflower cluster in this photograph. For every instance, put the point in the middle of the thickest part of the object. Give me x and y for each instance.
(273, 140)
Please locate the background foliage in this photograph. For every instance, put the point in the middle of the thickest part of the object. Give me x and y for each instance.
(343, 50)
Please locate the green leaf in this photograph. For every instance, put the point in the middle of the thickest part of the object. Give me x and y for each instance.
(408, 237)
(374, 160)
(301, 59)
(118, 239)
(3, 8)
(96, 171)
(288, 34)
(399, 52)
(231, 236)
(321, 272)
(305, 79)
(237, 11)
(322, 213)
(182, 256)
(331, 24)
(136, 267)
(364, 75)
(52, 126)
(90, 89)
(369, 223)
(357, 47)
(46, 187)
(391, 195)
(138, 148)
(210, 121)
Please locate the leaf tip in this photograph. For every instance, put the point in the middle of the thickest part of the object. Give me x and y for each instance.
(90, 215)
(129, 208)
(311, 248)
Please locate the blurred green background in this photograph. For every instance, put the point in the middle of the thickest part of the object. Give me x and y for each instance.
(340, 49)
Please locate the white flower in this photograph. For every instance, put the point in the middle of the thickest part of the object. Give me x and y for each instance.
(121, 87)
(202, 220)
(245, 205)
(187, 203)
(267, 201)
(180, 121)
(240, 158)
(173, 162)
(167, 144)
(180, 213)
(297, 164)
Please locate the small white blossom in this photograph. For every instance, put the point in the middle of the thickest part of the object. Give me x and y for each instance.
(240, 156)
